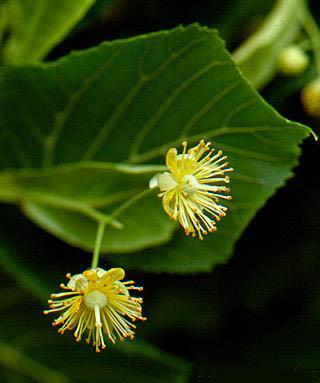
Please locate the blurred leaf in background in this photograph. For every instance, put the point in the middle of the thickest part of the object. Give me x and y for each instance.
(257, 57)
(36, 26)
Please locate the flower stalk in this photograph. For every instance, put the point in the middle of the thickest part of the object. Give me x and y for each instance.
(98, 244)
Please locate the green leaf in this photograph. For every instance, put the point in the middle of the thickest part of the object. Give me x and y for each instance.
(128, 101)
(71, 211)
(38, 25)
(257, 56)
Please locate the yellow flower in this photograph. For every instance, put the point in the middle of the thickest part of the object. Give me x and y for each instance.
(97, 303)
(190, 191)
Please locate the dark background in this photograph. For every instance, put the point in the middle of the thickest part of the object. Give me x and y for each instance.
(262, 309)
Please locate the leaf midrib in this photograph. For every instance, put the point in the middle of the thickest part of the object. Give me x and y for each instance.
(224, 130)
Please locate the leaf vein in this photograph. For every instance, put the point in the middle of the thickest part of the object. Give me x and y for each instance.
(207, 108)
(224, 130)
(247, 153)
(62, 117)
(168, 103)
(112, 120)
(16, 146)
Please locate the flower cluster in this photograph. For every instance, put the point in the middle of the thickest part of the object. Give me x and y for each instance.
(97, 303)
(192, 188)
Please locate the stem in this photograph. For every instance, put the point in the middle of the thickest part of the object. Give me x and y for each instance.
(103, 223)
(97, 245)
(130, 202)
(313, 31)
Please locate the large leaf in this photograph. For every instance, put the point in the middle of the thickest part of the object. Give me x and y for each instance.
(38, 25)
(129, 101)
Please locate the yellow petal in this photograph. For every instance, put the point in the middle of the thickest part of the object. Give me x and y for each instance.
(114, 274)
(168, 201)
(171, 159)
(91, 275)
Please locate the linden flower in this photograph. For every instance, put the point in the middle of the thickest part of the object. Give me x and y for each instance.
(190, 191)
(98, 304)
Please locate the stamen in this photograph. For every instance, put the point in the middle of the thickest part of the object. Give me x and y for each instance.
(197, 172)
(100, 305)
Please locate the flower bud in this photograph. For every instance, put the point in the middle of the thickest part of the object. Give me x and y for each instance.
(310, 97)
(292, 61)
